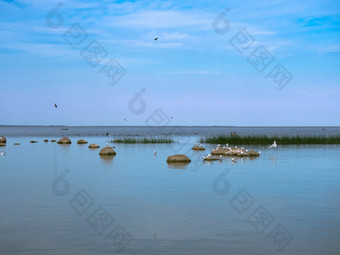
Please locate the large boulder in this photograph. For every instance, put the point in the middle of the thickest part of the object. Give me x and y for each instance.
(178, 158)
(81, 141)
(64, 140)
(94, 146)
(107, 151)
(2, 139)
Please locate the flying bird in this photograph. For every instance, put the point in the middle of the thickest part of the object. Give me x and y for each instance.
(156, 38)
(274, 145)
(125, 119)
(55, 105)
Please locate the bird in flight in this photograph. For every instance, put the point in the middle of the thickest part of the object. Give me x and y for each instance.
(156, 38)
(55, 105)
(125, 119)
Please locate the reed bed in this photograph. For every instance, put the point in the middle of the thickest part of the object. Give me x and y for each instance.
(267, 140)
(143, 140)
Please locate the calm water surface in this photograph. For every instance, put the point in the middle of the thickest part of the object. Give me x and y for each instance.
(197, 209)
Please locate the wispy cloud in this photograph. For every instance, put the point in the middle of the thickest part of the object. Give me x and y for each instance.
(152, 19)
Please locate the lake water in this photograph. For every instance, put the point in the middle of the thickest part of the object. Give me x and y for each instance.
(66, 199)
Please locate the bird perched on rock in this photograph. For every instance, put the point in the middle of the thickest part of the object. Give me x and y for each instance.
(274, 145)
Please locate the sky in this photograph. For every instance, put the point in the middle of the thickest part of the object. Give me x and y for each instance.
(230, 63)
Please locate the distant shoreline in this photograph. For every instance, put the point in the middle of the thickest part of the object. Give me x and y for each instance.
(162, 131)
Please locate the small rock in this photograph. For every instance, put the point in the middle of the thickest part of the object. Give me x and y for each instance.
(107, 151)
(16, 143)
(53, 141)
(178, 158)
(33, 141)
(198, 148)
(81, 141)
(46, 140)
(94, 146)
(64, 140)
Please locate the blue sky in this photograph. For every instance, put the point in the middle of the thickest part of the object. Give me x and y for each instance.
(191, 72)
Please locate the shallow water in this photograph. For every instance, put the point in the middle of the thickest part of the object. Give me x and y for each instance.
(203, 208)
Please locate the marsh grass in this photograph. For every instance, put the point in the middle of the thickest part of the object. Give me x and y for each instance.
(267, 140)
(142, 140)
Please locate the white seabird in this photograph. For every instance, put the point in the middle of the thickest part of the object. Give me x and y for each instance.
(274, 145)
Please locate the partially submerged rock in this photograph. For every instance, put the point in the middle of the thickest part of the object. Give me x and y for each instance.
(178, 158)
(3, 139)
(198, 148)
(219, 151)
(234, 152)
(81, 141)
(16, 143)
(2, 144)
(107, 151)
(33, 141)
(46, 140)
(253, 153)
(94, 146)
(64, 140)
(53, 141)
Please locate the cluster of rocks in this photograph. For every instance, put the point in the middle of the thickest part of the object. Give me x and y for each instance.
(235, 152)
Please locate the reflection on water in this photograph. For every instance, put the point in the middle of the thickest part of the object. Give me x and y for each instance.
(107, 160)
(166, 211)
(178, 165)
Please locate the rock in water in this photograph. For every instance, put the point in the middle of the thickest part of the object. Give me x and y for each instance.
(46, 140)
(253, 153)
(178, 158)
(81, 141)
(33, 141)
(3, 139)
(64, 140)
(94, 146)
(198, 148)
(107, 151)
(53, 141)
